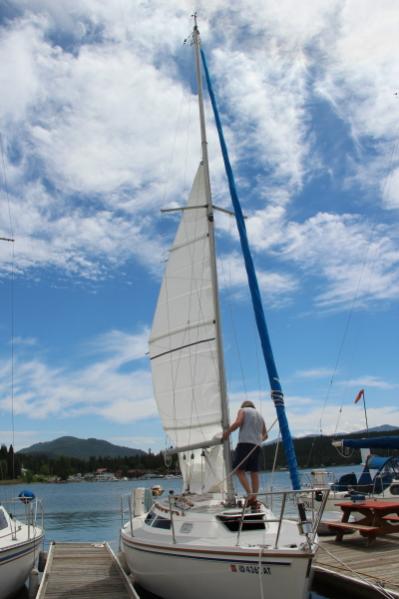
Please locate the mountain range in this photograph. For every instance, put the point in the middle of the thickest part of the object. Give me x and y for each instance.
(83, 449)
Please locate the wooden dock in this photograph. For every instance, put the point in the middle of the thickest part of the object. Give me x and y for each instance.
(84, 571)
(92, 570)
(368, 571)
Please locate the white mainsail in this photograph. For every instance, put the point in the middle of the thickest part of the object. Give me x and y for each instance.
(183, 347)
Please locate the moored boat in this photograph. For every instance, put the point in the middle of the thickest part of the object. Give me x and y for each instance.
(378, 479)
(207, 541)
(20, 542)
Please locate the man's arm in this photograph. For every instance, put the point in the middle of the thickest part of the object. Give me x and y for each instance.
(236, 424)
(264, 432)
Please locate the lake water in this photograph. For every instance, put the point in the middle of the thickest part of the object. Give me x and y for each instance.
(91, 511)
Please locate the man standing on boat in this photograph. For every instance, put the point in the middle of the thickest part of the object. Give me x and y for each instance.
(246, 457)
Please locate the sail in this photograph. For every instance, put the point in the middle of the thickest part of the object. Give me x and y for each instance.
(183, 349)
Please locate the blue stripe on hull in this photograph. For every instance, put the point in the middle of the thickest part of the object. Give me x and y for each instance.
(5, 559)
(255, 561)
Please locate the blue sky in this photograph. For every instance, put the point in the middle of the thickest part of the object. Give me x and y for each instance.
(100, 131)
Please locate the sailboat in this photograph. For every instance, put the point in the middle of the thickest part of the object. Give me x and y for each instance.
(206, 541)
(20, 542)
(380, 474)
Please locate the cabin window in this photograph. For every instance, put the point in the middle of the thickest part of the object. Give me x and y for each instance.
(394, 489)
(161, 522)
(150, 517)
(3, 520)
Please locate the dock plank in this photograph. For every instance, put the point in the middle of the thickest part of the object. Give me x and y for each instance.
(358, 564)
(84, 571)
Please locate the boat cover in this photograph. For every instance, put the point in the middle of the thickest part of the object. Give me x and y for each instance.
(373, 443)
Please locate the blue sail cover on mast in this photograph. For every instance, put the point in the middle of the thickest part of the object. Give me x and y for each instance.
(276, 390)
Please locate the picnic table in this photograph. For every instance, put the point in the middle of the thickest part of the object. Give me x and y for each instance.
(379, 518)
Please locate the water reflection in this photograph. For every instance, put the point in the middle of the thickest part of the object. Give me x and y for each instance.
(80, 520)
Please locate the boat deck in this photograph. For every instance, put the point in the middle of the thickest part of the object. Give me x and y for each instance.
(357, 566)
(84, 571)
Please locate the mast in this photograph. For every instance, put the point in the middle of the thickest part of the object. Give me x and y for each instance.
(211, 233)
(274, 380)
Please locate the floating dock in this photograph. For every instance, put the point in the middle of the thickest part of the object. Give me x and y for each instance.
(351, 565)
(84, 571)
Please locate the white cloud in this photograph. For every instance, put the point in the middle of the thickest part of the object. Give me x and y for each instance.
(362, 71)
(21, 45)
(114, 386)
(366, 381)
(138, 442)
(315, 373)
(304, 414)
(390, 186)
(351, 419)
(276, 288)
(97, 127)
(360, 78)
(357, 263)
(279, 119)
(25, 438)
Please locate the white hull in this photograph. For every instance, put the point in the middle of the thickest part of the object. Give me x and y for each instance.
(200, 549)
(178, 573)
(16, 561)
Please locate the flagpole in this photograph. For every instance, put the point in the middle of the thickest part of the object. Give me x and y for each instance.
(365, 412)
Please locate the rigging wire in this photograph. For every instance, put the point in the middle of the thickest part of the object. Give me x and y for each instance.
(373, 258)
(340, 351)
(366, 261)
(227, 276)
(12, 308)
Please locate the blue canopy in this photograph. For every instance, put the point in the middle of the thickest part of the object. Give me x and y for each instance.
(373, 443)
(377, 462)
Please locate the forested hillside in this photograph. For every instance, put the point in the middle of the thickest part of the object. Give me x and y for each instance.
(312, 452)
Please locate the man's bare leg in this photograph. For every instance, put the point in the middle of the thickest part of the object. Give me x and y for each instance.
(255, 482)
(255, 486)
(244, 481)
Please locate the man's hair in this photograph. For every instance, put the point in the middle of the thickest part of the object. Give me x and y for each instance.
(248, 404)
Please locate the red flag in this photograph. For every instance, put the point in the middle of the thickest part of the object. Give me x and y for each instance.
(359, 395)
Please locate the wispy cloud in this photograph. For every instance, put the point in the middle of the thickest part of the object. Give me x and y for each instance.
(116, 386)
(357, 263)
(143, 442)
(277, 288)
(315, 373)
(373, 382)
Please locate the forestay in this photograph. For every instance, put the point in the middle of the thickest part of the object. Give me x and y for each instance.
(183, 347)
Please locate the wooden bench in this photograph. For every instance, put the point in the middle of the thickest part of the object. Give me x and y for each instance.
(350, 525)
(392, 518)
(340, 527)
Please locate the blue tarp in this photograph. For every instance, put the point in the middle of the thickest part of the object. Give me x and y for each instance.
(377, 462)
(365, 477)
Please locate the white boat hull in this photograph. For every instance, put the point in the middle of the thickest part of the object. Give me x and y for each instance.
(177, 572)
(16, 562)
